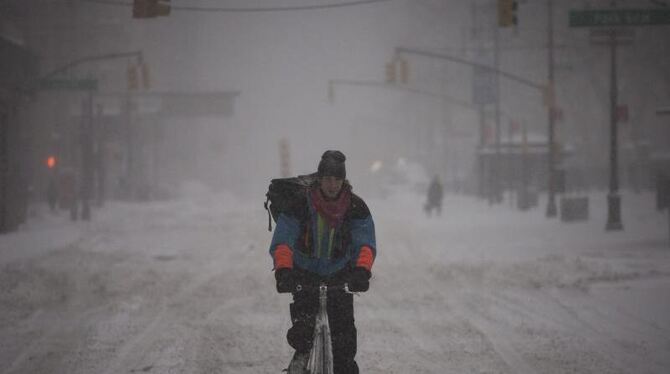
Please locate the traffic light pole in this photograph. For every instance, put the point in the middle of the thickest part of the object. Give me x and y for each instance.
(496, 191)
(613, 198)
(129, 180)
(442, 56)
(368, 83)
(79, 61)
(99, 136)
(482, 141)
(86, 139)
(551, 149)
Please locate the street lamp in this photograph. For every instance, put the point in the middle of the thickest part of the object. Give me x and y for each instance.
(550, 101)
(613, 198)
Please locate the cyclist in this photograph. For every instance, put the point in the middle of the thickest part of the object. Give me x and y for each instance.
(329, 237)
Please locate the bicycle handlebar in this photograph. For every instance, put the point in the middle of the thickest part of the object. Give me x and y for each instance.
(328, 287)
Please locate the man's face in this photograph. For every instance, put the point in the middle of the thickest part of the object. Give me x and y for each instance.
(331, 186)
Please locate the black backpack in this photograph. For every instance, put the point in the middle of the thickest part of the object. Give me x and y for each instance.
(284, 192)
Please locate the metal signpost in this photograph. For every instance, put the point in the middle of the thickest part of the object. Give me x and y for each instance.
(663, 181)
(610, 24)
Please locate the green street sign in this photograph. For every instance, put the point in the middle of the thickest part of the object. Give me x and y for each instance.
(69, 84)
(619, 17)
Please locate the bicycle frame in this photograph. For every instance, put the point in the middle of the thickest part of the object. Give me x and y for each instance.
(321, 355)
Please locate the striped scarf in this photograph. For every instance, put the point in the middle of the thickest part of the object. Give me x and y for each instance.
(332, 211)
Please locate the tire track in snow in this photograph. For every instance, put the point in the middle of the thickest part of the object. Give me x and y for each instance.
(597, 328)
(635, 326)
(137, 347)
(424, 350)
(167, 317)
(36, 346)
(572, 322)
(499, 338)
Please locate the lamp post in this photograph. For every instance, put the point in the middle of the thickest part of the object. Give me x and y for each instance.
(613, 198)
(86, 140)
(663, 188)
(551, 149)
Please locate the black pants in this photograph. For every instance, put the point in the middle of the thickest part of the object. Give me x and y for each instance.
(304, 309)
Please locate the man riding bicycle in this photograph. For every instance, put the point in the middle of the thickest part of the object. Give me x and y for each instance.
(326, 238)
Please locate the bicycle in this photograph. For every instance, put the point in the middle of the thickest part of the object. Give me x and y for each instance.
(320, 360)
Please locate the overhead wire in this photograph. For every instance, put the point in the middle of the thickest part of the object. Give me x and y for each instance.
(246, 9)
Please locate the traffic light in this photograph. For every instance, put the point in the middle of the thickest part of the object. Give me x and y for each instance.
(51, 162)
(163, 8)
(390, 72)
(151, 8)
(507, 13)
(132, 78)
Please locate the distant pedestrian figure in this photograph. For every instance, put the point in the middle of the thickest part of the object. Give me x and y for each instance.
(435, 194)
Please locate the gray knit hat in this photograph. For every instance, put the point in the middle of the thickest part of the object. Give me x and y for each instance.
(332, 164)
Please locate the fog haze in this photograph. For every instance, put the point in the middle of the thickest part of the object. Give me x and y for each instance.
(316, 78)
(136, 151)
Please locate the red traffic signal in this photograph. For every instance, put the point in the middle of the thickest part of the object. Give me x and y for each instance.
(51, 162)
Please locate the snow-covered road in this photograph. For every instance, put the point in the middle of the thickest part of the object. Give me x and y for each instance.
(186, 287)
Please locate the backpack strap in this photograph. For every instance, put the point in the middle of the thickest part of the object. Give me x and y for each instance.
(267, 199)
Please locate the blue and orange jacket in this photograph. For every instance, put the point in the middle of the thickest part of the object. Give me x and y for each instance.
(304, 241)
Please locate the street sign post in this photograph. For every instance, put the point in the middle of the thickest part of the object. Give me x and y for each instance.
(613, 20)
(619, 17)
(62, 84)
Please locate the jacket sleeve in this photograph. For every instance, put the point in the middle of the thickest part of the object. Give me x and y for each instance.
(283, 242)
(363, 242)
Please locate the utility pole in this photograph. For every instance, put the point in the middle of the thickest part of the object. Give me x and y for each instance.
(100, 161)
(86, 155)
(551, 149)
(613, 198)
(484, 92)
(129, 182)
(482, 143)
(4, 175)
(497, 163)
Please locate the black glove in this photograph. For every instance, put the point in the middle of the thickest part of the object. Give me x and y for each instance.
(359, 280)
(285, 282)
